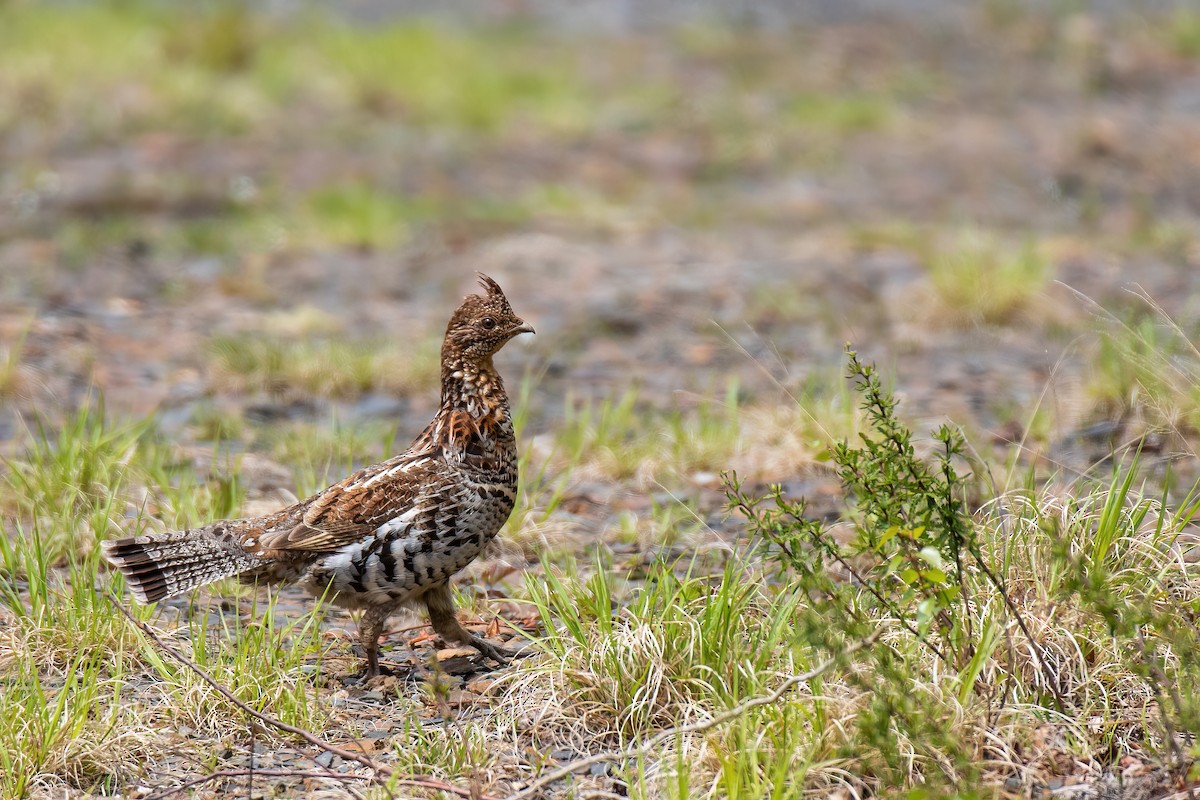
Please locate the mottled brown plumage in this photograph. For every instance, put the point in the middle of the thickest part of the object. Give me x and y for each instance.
(391, 534)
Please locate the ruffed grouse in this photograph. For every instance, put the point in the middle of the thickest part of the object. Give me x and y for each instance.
(390, 535)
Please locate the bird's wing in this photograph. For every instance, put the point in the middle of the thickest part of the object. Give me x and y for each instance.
(355, 507)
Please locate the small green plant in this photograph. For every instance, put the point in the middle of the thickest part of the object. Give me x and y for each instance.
(910, 523)
(963, 600)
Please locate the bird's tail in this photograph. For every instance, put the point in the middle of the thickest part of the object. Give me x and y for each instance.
(161, 565)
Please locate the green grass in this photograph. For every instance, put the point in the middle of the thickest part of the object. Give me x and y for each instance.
(625, 654)
(226, 69)
(843, 114)
(68, 714)
(438, 76)
(267, 661)
(611, 437)
(295, 368)
(976, 276)
(320, 453)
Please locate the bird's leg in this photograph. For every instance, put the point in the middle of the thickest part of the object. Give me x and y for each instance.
(370, 628)
(440, 603)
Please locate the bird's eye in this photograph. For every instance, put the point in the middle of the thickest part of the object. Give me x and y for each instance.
(488, 323)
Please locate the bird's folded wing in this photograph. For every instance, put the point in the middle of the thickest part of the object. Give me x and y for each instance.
(354, 508)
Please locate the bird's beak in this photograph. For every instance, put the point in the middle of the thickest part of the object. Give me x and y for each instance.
(524, 327)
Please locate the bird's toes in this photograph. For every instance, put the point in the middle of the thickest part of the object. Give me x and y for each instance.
(498, 654)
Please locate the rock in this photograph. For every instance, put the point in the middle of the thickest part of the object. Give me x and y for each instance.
(461, 699)
(455, 652)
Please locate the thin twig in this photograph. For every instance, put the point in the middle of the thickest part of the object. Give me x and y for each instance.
(378, 769)
(694, 727)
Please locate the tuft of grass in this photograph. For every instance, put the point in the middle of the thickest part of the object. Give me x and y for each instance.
(320, 454)
(333, 368)
(265, 659)
(1183, 31)
(91, 478)
(979, 279)
(73, 480)
(59, 723)
(1148, 368)
(66, 656)
(619, 439)
(624, 440)
(444, 749)
(359, 215)
(678, 645)
(841, 113)
(16, 380)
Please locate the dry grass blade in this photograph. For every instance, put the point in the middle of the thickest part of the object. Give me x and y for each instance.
(694, 727)
(378, 770)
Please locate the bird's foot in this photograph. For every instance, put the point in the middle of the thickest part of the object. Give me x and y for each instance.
(501, 655)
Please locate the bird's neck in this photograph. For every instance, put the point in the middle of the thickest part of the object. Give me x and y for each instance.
(474, 387)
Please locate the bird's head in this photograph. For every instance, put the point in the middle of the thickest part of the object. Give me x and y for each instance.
(482, 324)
